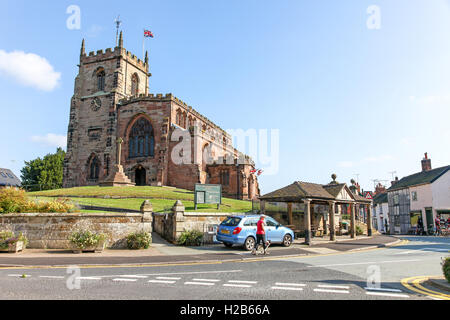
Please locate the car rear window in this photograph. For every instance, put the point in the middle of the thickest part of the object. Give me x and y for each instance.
(231, 222)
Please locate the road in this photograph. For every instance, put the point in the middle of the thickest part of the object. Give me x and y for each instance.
(361, 275)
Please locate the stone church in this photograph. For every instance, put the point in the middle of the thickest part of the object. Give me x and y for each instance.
(111, 101)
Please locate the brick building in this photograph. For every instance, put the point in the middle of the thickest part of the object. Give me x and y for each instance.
(111, 100)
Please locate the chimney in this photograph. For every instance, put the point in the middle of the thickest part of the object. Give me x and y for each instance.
(394, 182)
(426, 163)
(380, 189)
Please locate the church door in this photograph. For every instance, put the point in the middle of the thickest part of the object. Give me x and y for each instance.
(140, 177)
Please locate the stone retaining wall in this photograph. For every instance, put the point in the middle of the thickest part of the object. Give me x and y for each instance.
(171, 225)
(51, 230)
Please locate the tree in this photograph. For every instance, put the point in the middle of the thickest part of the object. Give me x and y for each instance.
(44, 174)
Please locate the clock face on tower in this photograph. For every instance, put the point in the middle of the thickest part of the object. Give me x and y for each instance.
(96, 104)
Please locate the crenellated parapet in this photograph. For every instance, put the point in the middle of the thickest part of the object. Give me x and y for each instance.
(159, 97)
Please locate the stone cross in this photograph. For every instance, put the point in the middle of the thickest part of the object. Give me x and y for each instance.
(119, 150)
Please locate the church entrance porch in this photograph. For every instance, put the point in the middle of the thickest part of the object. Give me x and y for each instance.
(140, 176)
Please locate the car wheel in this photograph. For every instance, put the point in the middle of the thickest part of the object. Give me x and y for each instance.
(287, 240)
(228, 245)
(249, 244)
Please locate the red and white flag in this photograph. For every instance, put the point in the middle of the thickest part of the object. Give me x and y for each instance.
(148, 34)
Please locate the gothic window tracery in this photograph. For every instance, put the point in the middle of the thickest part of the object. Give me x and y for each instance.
(94, 168)
(134, 85)
(141, 139)
(101, 80)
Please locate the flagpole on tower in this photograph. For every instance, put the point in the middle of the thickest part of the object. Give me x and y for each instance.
(143, 45)
(118, 23)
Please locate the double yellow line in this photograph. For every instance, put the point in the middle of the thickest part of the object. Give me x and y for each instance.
(415, 284)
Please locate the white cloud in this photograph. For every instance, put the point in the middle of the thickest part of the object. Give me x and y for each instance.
(29, 69)
(51, 140)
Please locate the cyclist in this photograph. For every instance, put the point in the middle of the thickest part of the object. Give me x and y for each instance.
(260, 234)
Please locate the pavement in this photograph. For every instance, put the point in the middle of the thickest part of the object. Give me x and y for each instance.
(162, 252)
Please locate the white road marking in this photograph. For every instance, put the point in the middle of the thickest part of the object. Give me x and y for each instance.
(287, 288)
(176, 273)
(422, 250)
(134, 276)
(207, 280)
(200, 283)
(290, 284)
(125, 280)
(383, 289)
(436, 249)
(331, 291)
(237, 285)
(19, 275)
(361, 263)
(167, 278)
(392, 295)
(405, 252)
(162, 281)
(52, 277)
(241, 281)
(332, 286)
(88, 278)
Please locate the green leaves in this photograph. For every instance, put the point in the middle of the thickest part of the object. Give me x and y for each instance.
(190, 238)
(86, 239)
(44, 174)
(139, 240)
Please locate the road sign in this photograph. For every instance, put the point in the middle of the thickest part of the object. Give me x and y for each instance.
(208, 194)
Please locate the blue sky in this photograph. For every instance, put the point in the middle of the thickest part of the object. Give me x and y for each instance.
(347, 99)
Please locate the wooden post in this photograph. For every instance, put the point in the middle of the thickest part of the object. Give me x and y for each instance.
(353, 221)
(332, 221)
(307, 203)
(369, 220)
(291, 220)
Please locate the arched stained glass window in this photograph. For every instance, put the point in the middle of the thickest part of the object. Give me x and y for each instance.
(141, 139)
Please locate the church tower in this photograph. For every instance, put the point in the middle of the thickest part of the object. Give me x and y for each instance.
(104, 78)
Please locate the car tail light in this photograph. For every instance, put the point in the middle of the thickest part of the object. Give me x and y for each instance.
(237, 230)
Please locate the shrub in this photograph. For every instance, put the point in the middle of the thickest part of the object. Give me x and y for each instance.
(8, 237)
(84, 239)
(139, 240)
(16, 201)
(359, 231)
(12, 200)
(446, 268)
(190, 238)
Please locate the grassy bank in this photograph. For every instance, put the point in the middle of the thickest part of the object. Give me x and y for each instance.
(162, 198)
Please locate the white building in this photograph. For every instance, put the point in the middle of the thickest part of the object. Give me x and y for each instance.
(424, 195)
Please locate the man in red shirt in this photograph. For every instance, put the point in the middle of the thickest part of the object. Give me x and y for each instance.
(260, 235)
